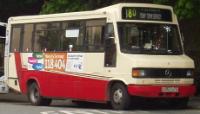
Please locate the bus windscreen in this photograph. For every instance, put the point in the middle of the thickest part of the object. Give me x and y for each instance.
(152, 14)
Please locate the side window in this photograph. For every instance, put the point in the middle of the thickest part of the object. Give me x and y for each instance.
(94, 35)
(39, 37)
(47, 37)
(73, 38)
(17, 35)
(52, 37)
(27, 40)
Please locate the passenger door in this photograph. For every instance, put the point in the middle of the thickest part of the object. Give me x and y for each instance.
(110, 47)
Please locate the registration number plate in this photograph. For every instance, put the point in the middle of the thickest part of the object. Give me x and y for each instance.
(170, 89)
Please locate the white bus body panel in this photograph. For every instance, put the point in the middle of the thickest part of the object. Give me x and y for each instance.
(128, 61)
(12, 77)
(3, 79)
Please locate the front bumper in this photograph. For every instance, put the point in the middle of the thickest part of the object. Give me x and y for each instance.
(156, 91)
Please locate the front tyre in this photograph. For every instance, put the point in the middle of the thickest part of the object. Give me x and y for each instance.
(35, 98)
(119, 97)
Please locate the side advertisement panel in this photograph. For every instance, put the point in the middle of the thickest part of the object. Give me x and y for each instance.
(61, 62)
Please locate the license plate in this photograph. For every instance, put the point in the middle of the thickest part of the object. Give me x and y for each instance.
(170, 89)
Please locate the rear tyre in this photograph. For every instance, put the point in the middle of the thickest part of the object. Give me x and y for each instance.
(35, 98)
(119, 97)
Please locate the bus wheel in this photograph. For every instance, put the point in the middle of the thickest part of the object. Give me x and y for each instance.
(35, 98)
(179, 103)
(119, 97)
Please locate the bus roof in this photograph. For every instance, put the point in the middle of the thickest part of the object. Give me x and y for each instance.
(3, 24)
(113, 12)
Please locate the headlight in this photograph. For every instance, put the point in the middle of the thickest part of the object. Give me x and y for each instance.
(162, 73)
(189, 73)
(138, 73)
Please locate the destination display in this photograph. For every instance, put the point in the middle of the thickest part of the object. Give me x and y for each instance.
(153, 14)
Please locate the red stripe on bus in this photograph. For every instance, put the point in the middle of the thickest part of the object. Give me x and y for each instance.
(155, 91)
(56, 85)
(18, 64)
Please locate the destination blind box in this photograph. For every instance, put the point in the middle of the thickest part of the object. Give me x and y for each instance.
(151, 14)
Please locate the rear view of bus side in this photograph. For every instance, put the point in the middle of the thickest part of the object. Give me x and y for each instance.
(110, 55)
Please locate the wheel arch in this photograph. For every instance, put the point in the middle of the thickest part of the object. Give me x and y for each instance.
(110, 84)
(31, 81)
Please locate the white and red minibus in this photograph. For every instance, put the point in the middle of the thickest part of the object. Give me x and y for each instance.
(112, 54)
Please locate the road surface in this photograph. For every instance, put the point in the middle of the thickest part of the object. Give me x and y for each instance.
(18, 104)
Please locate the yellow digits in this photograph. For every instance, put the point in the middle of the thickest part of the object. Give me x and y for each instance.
(132, 13)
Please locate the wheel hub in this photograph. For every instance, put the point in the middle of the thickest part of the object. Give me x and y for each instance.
(35, 95)
(117, 96)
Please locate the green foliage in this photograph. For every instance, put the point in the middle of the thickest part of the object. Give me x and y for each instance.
(185, 9)
(161, 2)
(60, 6)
